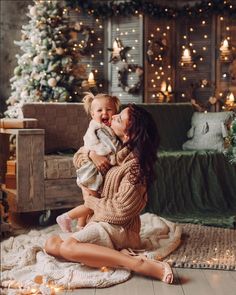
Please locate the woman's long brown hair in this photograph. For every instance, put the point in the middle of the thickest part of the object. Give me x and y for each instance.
(143, 142)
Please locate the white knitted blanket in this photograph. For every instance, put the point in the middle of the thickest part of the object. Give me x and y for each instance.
(25, 265)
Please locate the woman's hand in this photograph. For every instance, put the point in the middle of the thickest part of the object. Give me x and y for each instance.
(101, 162)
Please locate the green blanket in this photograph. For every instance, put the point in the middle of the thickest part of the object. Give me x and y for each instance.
(197, 187)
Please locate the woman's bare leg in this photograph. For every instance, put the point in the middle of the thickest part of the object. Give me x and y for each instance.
(98, 256)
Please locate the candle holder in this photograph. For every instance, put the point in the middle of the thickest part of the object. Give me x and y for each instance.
(229, 102)
(225, 52)
(186, 58)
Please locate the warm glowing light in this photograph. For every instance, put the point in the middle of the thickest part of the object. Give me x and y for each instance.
(186, 57)
(230, 99)
(225, 45)
(91, 80)
(163, 86)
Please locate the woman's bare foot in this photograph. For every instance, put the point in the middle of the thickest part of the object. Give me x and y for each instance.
(158, 269)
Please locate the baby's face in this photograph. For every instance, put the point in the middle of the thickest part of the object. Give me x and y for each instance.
(102, 110)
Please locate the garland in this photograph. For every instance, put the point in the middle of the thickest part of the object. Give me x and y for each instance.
(123, 74)
(136, 7)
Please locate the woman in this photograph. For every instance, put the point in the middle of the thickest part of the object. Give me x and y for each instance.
(115, 223)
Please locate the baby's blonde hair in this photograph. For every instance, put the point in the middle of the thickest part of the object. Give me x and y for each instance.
(89, 97)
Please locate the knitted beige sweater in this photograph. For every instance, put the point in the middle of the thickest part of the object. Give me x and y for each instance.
(121, 202)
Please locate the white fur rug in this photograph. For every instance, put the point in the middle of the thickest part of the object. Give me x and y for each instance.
(27, 267)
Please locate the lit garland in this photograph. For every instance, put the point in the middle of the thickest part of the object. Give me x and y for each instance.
(136, 7)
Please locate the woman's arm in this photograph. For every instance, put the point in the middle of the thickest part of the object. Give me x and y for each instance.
(122, 206)
(83, 155)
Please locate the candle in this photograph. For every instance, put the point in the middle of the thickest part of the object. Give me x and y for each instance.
(169, 89)
(115, 45)
(91, 80)
(186, 57)
(230, 99)
(163, 86)
(116, 48)
(225, 45)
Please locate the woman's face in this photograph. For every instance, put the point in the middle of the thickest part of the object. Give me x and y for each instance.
(119, 124)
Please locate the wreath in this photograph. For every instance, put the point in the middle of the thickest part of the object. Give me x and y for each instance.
(157, 50)
(212, 104)
(88, 38)
(123, 74)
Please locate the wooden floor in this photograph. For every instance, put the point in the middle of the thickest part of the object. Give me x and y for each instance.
(187, 282)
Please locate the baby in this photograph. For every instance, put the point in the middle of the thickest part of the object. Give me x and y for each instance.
(101, 139)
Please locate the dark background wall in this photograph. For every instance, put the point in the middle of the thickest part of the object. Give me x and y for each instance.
(12, 17)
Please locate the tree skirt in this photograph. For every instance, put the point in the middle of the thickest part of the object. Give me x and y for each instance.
(26, 266)
(205, 247)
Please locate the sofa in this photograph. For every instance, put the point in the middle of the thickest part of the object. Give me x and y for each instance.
(191, 186)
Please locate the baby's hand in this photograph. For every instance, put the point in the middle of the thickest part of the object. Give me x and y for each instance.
(101, 162)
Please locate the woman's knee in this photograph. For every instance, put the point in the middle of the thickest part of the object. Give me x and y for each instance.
(68, 248)
(52, 245)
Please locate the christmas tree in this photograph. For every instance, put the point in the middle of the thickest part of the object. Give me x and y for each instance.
(48, 69)
(231, 150)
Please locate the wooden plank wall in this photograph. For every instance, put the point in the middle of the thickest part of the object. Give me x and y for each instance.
(95, 60)
(158, 71)
(226, 69)
(204, 35)
(130, 31)
(195, 34)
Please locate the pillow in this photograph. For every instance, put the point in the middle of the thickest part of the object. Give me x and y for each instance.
(208, 131)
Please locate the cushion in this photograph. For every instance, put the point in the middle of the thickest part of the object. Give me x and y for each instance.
(208, 131)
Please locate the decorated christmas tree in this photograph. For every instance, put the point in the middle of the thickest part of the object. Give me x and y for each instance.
(48, 69)
(231, 150)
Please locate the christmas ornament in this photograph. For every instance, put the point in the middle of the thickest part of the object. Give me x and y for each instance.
(33, 11)
(37, 60)
(24, 94)
(17, 71)
(59, 51)
(118, 52)
(52, 82)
